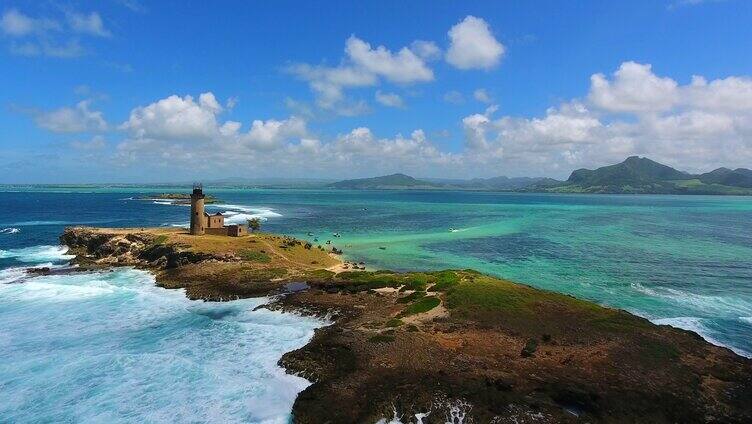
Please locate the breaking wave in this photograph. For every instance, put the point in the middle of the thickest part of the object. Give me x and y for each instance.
(37, 254)
(34, 223)
(264, 212)
(132, 349)
(695, 325)
(240, 218)
(11, 230)
(12, 275)
(717, 305)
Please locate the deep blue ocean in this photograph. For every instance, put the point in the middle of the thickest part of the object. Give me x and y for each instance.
(111, 346)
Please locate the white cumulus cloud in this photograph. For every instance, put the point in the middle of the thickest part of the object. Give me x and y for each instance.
(175, 117)
(695, 127)
(44, 36)
(473, 46)
(482, 95)
(389, 99)
(79, 118)
(634, 88)
(90, 24)
(364, 66)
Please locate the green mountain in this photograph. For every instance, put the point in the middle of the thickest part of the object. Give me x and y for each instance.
(738, 177)
(642, 175)
(633, 171)
(406, 182)
(500, 183)
(635, 175)
(394, 181)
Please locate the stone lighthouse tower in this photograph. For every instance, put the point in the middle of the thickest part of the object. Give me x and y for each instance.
(197, 210)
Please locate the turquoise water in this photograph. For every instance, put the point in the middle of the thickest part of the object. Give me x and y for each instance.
(113, 345)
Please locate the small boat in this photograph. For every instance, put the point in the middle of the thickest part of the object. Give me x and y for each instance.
(336, 234)
(382, 247)
(453, 230)
(310, 234)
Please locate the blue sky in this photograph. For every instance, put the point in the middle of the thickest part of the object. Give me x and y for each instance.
(343, 89)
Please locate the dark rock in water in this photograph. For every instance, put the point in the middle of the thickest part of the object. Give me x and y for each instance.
(42, 270)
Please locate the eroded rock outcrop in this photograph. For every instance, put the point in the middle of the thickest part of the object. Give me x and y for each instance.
(97, 247)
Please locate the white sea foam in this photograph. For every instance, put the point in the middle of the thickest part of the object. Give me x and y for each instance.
(454, 412)
(257, 212)
(10, 230)
(35, 223)
(721, 305)
(242, 218)
(235, 214)
(695, 325)
(12, 275)
(748, 320)
(37, 254)
(111, 346)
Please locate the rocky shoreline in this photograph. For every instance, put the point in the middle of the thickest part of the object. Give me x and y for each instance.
(449, 344)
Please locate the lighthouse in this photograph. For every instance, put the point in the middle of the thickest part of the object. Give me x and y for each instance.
(197, 210)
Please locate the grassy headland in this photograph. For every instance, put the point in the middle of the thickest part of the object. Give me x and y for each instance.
(420, 341)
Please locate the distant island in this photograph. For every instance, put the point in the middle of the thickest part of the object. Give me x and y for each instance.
(638, 175)
(635, 175)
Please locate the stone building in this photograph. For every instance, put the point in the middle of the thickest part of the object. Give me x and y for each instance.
(203, 223)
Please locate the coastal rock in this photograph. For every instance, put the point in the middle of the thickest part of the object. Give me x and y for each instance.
(94, 246)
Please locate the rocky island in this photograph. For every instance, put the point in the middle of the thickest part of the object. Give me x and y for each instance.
(449, 344)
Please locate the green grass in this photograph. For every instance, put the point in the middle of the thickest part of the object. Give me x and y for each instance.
(254, 256)
(489, 294)
(425, 304)
(532, 312)
(160, 239)
(445, 280)
(417, 281)
(411, 297)
(319, 274)
(362, 281)
(264, 274)
(394, 322)
(381, 338)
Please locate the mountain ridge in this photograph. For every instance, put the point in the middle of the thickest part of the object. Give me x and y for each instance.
(634, 175)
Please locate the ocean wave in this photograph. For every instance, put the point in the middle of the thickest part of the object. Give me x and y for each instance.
(707, 303)
(12, 275)
(37, 254)
(260, 212)
(242, 218)
(33, 223)
(748, 320)
(10, 230)
(695, 325)
(122, 330)
(18, 274)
